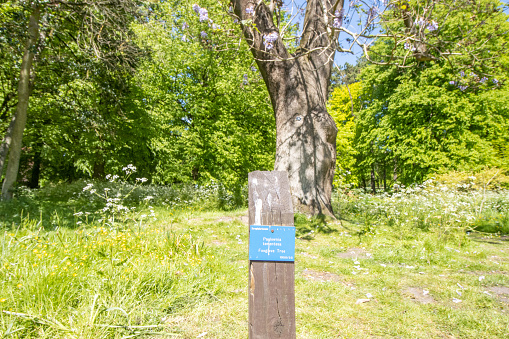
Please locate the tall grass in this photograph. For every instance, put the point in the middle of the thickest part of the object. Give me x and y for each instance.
(121, 260)
(430, 206)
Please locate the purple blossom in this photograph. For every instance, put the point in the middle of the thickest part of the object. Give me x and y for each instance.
(337, 22)
(432, 26)
(245, 82)
(462, 88)
(204, 34)
(185, 26)
(253, 68)
(250, 10)
(268, 40)
(184, 38)
(452, 82)
(373, 11)
(420, 21)
(204, 15)
(483, 80)
(495, 81)
(196, 8)
(215, 27)
(409, 46)
(462, 73)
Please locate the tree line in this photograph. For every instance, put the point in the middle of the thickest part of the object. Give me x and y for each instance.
(173, 88)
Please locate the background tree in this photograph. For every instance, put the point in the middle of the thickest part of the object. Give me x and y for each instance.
(297, 81)
(433, 117)
(208, 107)
(99, 28)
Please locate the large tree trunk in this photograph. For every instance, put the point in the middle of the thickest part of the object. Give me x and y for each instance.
(298, 87)
(306, 135)
(22, 106)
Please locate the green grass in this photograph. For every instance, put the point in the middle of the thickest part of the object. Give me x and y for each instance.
(179, 270)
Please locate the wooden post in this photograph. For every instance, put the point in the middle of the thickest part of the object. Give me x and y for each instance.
(271, 283)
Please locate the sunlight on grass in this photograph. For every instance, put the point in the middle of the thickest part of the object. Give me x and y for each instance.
(387, 268)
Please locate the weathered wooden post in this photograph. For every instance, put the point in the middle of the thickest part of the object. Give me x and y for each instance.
(271, 256)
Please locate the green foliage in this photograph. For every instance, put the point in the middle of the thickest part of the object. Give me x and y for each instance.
(489, 178)
(209, 111)
(439, 115)
(344, 106)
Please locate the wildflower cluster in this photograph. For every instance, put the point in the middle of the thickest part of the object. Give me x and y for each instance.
(114, 207)
(250, 10)
(464, 207)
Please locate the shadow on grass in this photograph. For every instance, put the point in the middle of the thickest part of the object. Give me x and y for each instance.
(306, 226)
(45, 208)
(490, 239)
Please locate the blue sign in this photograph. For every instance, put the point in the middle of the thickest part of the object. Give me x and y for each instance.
(272, 243)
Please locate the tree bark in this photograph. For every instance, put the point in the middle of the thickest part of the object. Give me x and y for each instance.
(22, 106)
(6, 143)
(298, 89)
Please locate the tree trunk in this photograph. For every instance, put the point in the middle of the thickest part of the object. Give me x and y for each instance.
(22, 106)
(385, 178)
(6, 143)
(395, 171)
(36, 170)
(373, 178)
(306, 136)
(98, 172)
(298, 87)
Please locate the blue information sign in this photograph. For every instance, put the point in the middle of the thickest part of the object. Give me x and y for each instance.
(272, 243)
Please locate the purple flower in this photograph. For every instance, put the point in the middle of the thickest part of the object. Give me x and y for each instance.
(250, 10)
(452, 82)
(268, 40)
(420, 21)
(432, 26)
(185, 26)
(196, 8)
(253, 68)
(483, 80)
(495, 81)
(204, 34)
(462, 73)
(462, 88)
(337, 22)
(245, 79)
(373, 11)
(215, 27)
(184, 38)
(204, 15)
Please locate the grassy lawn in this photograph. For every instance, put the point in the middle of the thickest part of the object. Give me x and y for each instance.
(180, 270)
